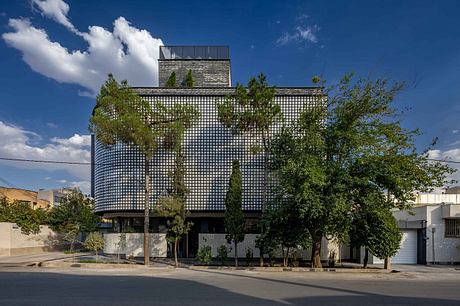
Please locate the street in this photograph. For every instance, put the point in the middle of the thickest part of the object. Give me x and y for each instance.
(161, 286)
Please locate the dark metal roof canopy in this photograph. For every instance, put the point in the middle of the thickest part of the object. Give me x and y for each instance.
(194, 52)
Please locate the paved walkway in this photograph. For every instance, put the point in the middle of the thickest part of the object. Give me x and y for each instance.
(33, 259)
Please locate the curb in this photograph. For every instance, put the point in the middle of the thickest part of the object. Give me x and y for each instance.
(284, 269)
(66, 264)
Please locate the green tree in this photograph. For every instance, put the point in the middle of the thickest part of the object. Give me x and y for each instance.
(234, 218)
(95, 243)
(336, 153)
(21, 213)
(285, 229)
(171, 80)
(188, 80)
(122, 116)
(252, 110)
(74, 216)
(173, 205)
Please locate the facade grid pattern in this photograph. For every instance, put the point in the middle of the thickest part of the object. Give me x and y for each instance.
(209, 150)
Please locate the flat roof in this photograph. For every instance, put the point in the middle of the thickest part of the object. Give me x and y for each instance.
(222, 91)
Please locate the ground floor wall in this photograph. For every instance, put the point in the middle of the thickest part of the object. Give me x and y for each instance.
(133, 247)
(14, 242)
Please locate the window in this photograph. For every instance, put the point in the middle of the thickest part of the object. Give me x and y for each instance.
(452, 228)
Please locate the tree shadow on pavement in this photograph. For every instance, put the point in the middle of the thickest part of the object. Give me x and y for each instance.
(342, 296)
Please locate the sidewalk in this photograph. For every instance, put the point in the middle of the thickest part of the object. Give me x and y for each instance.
(35, 259)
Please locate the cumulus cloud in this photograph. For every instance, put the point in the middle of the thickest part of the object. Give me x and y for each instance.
(299, 34)
(126, 51)
(15, 142)
(56, 10)
(75, 141)
(448, 155)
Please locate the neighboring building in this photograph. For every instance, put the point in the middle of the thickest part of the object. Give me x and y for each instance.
(23, 195)
(54, 196)
(431, 231)
(117, 174)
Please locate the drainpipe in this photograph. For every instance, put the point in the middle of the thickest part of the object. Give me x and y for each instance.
(433, 230)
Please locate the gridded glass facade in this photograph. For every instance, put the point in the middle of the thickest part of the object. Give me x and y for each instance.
(209, 150)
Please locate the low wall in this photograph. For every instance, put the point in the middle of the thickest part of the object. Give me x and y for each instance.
(216, 240)
(14, 242)
(135, 244)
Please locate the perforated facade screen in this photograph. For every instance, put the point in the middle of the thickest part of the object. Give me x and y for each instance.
(209, 150)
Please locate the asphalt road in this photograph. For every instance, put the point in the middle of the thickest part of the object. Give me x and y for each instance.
(46, 286)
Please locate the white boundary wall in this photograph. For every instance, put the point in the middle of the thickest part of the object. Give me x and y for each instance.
(135, 244)
(216, 240)
(14, 242)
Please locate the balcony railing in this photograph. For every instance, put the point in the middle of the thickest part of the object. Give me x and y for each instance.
(194, 52)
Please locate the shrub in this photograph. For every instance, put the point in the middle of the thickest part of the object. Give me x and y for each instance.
(204, 254)
(222, 254)
(249, 256)
(94, 242)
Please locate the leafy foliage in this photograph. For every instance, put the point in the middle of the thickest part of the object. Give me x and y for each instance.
(338, 154)
(252, 110)
(173, 205)
(171, 83)
(204, 254)
(234, 218)
(21, 213)
(73, 216)
(94, 242)
(222, 254)
(121, 115)
(188, 81)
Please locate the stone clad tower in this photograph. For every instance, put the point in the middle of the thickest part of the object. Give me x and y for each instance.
(210, 65)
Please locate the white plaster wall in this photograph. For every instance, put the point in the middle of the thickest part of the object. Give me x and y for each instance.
(13, 241)
(216, 240)
(135, 244)
(445, 249)
(5, 239)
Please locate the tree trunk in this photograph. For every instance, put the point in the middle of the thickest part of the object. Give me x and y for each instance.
(387, 263)
(147, 213)
(287, 257)
(236, 254)
(264, 191)
(284, 256)
(366, 258)
(316, 253)
(176, 244)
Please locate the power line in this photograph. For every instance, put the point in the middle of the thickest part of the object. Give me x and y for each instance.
(44, 161)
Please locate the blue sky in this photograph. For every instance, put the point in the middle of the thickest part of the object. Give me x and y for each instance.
(54, 54)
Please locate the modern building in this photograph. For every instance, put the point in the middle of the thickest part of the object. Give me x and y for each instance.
(208, 146)
(55, 196)
(430, 230)
(24, 195)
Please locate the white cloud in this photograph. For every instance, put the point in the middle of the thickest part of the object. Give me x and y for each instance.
(298, 35)
(76, 140)
(84, 186)
(56, 10)
(127, 52)
(15, 142)
(454, 131)
(448, 155)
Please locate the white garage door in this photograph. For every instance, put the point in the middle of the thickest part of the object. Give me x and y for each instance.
(407, 253)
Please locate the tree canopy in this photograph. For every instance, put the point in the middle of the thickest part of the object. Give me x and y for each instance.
(234, 218)
(353, 145)
(21, 213)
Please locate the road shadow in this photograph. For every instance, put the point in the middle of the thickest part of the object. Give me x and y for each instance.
(343, 296)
